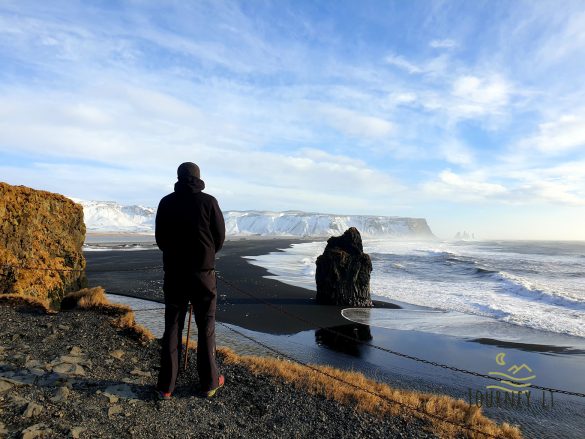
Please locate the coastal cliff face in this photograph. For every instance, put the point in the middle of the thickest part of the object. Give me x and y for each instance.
(304, 224)
(108, 216)
(42, 230)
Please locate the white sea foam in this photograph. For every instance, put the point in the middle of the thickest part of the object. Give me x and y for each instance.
(544, 290)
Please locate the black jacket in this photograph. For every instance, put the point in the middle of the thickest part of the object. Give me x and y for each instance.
(190, 229)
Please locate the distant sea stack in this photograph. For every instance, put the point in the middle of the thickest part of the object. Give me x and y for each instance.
(40, 230)
(343, 272)
(464, 236)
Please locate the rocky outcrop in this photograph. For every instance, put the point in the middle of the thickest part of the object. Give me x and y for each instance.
(343, 272)
(40, 230)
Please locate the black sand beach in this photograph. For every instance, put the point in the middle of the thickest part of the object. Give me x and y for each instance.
(234, 306)
(556, 368)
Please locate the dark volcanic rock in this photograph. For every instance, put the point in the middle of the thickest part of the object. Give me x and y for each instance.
(343, 272)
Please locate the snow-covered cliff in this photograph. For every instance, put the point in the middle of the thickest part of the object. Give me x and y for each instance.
(294, 223)
(108, 216)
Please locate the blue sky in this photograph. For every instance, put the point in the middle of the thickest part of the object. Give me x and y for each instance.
(468, 113)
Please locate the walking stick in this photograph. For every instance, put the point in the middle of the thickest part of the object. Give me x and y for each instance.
(188, 333)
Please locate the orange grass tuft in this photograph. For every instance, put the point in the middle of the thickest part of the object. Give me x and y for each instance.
(95, 299)
(317, 383)
(28, 301)
(192, 343)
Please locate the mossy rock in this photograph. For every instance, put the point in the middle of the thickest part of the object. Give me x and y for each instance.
(43, 231)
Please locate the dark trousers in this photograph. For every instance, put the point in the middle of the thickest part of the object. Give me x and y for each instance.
(199, 289)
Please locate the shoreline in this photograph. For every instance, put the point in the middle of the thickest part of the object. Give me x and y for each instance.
(233, 306)
(240, 309)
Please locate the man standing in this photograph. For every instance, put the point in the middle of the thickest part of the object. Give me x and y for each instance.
(190, 230)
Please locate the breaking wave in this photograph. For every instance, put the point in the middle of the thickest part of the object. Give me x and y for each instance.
(542, 290)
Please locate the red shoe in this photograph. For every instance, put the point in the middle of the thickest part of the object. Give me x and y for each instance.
(212, 392)
(163, 396)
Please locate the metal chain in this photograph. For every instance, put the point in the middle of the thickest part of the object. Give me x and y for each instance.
(145, 309)
(121, 270)
(20, 267)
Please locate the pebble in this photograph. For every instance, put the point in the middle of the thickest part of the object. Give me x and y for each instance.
(121, 391)
(32, 409)
(5, 385)
(118, 354)
(71, 359)
(112, 398)
(34, 431)
(76, 432)
(61, 395)
(30, 364)
(75, 351)
(141, 373)
(69, 369)
(115, 410)
(17, 400)
(3, 429)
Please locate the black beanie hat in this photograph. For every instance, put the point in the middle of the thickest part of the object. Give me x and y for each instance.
(188, 171)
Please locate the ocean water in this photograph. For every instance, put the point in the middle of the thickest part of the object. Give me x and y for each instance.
(538, 286)
(118, 241)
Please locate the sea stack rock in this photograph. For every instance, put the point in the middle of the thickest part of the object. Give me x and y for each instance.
(40, 230)
(343, 272)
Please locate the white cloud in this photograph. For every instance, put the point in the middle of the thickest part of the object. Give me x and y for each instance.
(309, 180)
(563, 134)
(402, 63)
(559, 184)
(463, 187)
(443, 44)
(357, 124)
(134, 138)
(402, 98)
(566, 32)
(456, 152)
(556, 192)
(477, 96)
(518, 184)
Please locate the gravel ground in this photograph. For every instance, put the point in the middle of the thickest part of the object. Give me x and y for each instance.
(74, 375)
